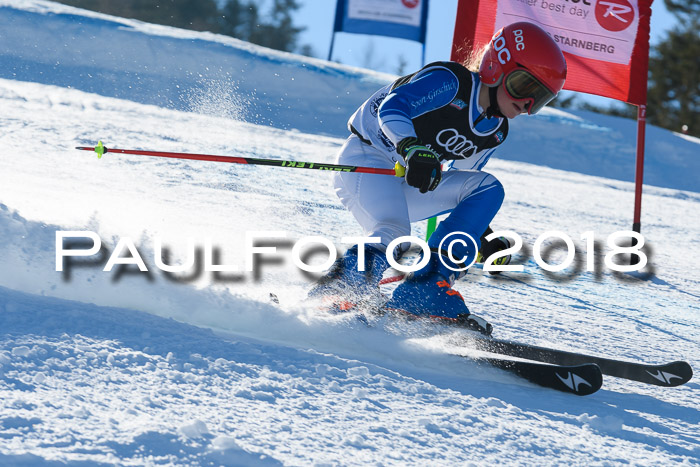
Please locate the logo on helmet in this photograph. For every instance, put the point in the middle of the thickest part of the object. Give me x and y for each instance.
(614, 15)
(499, 45)
(519, 39)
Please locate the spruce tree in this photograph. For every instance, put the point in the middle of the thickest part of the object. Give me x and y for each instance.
(243, 19)
(200, 15)
(674, 71)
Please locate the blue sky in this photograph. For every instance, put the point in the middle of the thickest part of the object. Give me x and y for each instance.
(382, 53)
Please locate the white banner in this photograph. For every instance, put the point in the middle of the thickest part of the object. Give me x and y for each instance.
(407, 12)
(596, 29)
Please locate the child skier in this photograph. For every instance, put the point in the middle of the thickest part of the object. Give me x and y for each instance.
(442, 114)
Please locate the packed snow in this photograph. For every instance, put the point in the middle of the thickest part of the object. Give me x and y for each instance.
(129, 367)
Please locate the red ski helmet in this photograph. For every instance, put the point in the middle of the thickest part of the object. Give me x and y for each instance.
(527, 61)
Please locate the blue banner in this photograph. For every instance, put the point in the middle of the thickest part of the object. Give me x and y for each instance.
(405, 19)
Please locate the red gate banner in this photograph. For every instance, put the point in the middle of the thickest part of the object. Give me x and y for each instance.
(605, 42)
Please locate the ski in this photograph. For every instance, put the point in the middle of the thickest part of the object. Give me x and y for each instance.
(581, 380)
(667, 375)
(572, 372)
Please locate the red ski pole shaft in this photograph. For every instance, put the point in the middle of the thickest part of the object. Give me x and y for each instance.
(100, 149)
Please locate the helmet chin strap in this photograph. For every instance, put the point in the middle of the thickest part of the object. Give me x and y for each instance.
(492, 110)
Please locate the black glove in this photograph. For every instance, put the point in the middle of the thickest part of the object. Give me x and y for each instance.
(423, 168)
(494, 246)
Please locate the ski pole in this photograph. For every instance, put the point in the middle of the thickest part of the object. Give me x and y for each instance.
(100, 149)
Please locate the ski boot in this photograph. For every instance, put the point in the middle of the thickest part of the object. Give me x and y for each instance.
(345, 288)
(494, 246)
(428, 292)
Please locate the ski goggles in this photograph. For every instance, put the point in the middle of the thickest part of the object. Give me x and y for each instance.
(522, 85)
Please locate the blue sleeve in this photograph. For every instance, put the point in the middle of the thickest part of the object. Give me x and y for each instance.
(428, 90)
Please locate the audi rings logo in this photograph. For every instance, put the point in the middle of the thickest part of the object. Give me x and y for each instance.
(456, 144)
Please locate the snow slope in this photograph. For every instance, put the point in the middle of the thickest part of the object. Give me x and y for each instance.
(134, 368)
(163, 66)
(182, 70)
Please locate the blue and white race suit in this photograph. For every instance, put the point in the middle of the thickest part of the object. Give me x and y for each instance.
(439, 106)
